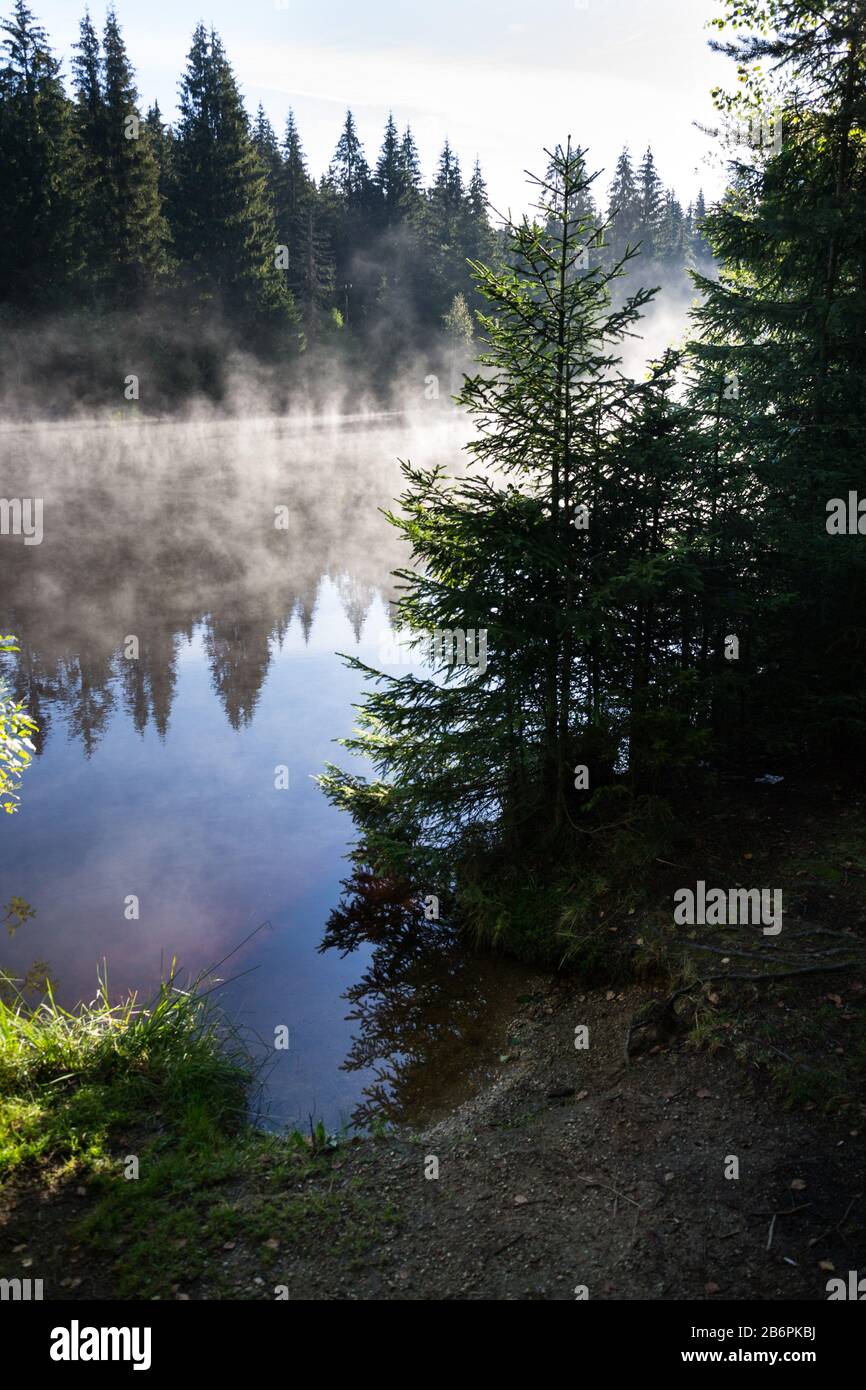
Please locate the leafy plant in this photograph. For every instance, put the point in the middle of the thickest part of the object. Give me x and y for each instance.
(16, 745)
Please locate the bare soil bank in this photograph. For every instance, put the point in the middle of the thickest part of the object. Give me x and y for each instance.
(559, 1168)
(616, 1184)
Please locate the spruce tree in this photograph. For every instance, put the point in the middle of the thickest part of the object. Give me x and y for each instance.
(584, 210)
(221, 217)
(295, 188)
(623, 210)
(39, 214)
(349, 169)
(651, 203)
(442, 224)
(124, 235)
(314, 273)
(476, 195)
(135, 233)
(268, 149)
(348, 205)
(478, 242)
(91, 152)
(781, 332)
(302, 226)
(161, 138)
(411, 166)
(390, 176)
(446, 198)
(473, 754)
(672, 248)
(87, 70)
(700, 247)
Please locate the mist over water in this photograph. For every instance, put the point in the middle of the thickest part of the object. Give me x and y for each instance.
(155, 776)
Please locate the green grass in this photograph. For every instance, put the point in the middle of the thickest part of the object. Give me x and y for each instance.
(70, 1082)
(84, 1092)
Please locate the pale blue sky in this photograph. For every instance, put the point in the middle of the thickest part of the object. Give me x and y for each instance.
(500, 78)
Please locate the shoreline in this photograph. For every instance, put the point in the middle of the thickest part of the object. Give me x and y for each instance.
(607, 1167)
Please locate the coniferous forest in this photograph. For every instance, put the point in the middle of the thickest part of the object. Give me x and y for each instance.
(214, 222)
(554, 523)
(668, 572)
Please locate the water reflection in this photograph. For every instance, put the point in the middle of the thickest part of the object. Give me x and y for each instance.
(421, 1006)
(155, 773)
(153, 530)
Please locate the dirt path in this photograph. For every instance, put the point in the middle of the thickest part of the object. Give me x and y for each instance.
(557, 1167)
(616, 1184)
(619, 1187)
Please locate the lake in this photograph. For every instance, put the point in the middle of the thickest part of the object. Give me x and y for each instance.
(240, 556)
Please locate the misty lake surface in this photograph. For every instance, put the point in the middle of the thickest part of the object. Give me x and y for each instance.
(156, 775)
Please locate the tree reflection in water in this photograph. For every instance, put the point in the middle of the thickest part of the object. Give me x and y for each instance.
(422, 1005)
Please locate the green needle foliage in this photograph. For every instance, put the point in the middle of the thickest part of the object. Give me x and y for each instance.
(124, 234)
(107, 219)
(224, 224)
(37, 208)
(663, 595)
(547, 547)
(786, 321)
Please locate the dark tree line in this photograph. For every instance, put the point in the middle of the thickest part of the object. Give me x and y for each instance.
(670, 572)
(104, 208)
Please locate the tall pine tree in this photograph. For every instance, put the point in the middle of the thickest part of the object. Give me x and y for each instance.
(38, 207)
(782, 333)
(482, 750)
(650, 202)
(222, 220)
(623, 210)
(134, 233)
